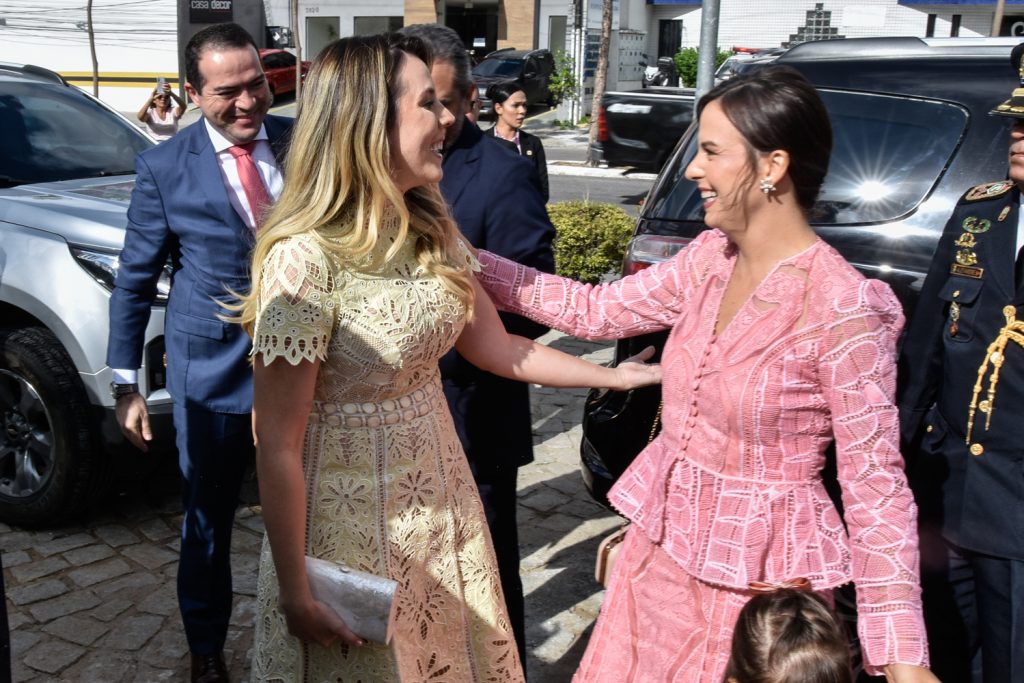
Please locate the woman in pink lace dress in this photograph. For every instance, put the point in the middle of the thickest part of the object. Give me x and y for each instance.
(777, 348)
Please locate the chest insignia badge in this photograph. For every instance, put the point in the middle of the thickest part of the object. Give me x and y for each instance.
(967, 240)
(966, 271)
(977, 225)
(966, 257)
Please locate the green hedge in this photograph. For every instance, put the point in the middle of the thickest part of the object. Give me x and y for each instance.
(590, 238)
(686, 64)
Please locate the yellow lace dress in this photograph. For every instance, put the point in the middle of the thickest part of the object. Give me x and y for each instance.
(389, 489)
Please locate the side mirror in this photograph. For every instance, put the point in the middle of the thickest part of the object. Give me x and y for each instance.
(643, 64)
(530, 74)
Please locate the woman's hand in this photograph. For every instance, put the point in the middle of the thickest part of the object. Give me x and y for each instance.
(315, 622)
(634, 372)
(909, 673)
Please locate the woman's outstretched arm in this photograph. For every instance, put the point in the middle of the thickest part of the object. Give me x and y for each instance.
(485, 343)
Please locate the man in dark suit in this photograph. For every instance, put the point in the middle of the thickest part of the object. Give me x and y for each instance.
(495, 200)
(198, 200)
(962, 417)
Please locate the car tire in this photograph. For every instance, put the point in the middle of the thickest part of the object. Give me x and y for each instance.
(51, 466)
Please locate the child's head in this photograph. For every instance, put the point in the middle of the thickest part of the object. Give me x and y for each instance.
(788, 635)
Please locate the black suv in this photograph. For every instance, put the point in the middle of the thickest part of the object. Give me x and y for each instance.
(531, 69)
(911, 134)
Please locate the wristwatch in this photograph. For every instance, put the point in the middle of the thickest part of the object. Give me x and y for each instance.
(119, 390)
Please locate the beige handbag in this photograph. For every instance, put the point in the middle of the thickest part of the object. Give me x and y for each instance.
(608, 551)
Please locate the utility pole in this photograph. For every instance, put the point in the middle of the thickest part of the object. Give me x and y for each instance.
(997, 18)
(708, 49)
(298, 48)
(92, 50)
(600, 77)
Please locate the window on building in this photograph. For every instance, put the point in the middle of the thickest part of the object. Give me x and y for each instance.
(929, 29)
(954, 26)
(670, 37)
(369, 26)
(556, 33)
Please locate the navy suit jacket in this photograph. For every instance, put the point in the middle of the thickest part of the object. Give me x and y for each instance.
(495, 199)
(533, 151)
(180, 210)
(974, 490)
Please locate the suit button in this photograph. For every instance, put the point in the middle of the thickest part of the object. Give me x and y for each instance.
(1009, 310)
(929, 429)
(956, 293)
(977, 449)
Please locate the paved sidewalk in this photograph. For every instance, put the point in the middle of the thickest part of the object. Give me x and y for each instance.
(95, 601)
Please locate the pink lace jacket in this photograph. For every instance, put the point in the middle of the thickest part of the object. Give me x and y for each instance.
(731, 488)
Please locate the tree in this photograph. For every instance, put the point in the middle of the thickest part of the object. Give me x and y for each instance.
(601, 77)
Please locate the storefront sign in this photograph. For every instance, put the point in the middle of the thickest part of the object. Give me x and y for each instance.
(209, 11)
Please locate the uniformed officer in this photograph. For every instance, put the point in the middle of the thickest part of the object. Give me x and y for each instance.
(962, 415)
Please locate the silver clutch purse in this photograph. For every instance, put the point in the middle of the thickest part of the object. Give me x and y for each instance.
(364, 601)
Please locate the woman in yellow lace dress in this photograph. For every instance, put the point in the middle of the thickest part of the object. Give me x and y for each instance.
(360, 285)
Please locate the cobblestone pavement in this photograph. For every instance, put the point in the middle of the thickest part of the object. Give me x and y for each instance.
(96, 601)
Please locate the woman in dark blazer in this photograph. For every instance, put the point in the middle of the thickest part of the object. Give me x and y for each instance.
(510, 109)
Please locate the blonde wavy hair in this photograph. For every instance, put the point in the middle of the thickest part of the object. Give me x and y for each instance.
(338, 186)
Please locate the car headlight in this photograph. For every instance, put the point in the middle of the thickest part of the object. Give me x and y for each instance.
(102, 265)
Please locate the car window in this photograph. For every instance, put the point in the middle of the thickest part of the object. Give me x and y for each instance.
(499, 67)
(285, 59)
(887, 155)
(272, 61)
(58, 133)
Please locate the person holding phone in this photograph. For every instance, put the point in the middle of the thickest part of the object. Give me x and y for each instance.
(160, 119)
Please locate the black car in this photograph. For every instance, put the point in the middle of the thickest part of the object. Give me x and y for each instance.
(911, 134)
(531, 69)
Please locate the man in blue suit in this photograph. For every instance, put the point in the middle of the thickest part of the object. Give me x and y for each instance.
(495, 197)
(198, 200)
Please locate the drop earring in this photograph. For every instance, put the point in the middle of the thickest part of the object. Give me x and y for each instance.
(767, 186)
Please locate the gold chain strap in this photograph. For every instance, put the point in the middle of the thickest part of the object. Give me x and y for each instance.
(657, 421)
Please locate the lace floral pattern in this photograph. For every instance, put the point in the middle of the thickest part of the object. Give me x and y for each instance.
(731, 488)
(388, 487)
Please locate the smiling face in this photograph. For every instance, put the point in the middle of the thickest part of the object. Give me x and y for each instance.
(235, 96)
(722, 170)
(418, 136)
(512, 112)
(1017, 153)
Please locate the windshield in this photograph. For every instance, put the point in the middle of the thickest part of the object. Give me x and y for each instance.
(887, 154)
(52, 132)
(499, 67)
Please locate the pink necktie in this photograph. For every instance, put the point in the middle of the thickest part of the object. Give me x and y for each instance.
(252, 184)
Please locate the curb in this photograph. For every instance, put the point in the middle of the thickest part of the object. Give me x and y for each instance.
(578, 168)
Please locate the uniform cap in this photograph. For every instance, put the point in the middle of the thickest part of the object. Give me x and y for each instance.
(1015, 105)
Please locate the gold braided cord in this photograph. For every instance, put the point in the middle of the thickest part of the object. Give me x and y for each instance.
(657, 421)
(1013, 330)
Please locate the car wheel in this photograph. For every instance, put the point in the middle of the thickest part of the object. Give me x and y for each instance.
(50, 463)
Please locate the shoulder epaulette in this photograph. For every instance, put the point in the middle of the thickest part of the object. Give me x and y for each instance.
(988, 190)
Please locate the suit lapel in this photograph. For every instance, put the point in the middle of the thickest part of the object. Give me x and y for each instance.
(1000, 245)
(205, 169)
(460, 164)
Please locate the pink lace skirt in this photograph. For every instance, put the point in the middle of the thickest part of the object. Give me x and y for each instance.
(659, 623)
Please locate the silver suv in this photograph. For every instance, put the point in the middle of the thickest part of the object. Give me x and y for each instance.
(66, 176)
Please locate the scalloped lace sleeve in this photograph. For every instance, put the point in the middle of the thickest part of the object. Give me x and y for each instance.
(466, 256)
(297, 306)
(858, 375)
